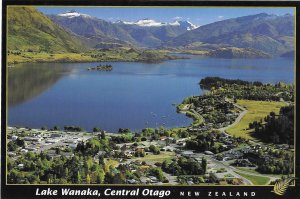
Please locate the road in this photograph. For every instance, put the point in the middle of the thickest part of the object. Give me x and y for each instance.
(229, 169)
(237, 120)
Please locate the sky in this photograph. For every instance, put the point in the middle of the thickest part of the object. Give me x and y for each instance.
(198, 16)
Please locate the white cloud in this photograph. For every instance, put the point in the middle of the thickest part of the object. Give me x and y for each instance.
(177, 18)
(220, 17)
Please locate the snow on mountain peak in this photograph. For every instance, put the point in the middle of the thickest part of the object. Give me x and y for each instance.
(148, 22)
(188, 25)
(73, 13)
(152, 23)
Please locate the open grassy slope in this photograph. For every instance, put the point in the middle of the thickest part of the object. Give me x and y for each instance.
(30, 30)
(257, 110)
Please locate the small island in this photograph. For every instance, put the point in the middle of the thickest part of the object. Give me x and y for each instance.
(102, 68)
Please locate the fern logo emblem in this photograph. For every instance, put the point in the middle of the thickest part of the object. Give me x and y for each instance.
(281, 186)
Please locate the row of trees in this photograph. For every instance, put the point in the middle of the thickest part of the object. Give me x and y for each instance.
(276, 128)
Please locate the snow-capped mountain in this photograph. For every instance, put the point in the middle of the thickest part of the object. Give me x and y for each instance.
(73, 13)
(152, 23)
(187, 24)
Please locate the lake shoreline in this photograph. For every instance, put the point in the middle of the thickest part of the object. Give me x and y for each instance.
(153, 57)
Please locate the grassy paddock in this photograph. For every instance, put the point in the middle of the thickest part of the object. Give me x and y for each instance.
(256, 180)
(159, 158)
(257, 110)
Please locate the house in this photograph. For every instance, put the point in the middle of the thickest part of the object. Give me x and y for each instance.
(190, 182)
(132, 181)
(163, 138)
(52, 141)
(11, 154)
(24, 150)
(144, 180)
(187, 153)
(33, 139)
(71, 141)
(21, 166)
(219, 177)
(168, 148)
(208, 153)
(56, 135)
(14, 137)
(153, 179)
(101, 153)
(140, 149)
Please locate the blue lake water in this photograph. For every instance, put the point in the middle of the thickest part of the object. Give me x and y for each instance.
(133, 95)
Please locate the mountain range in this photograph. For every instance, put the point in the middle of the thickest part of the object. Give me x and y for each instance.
(29, 29)
(269, 33)
(142, 33)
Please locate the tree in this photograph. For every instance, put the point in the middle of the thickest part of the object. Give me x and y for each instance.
(204, 164)
(56, 128)
(12, 146)
(103, 135)
(101, 160)
(96, 129)
(78, 178)
(158, 173)
(88, 179)
(57, 151)
(155, 150)
(20, 142)
(66, 172)
(100, 176)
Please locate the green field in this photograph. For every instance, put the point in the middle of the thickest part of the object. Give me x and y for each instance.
(257, 110)
(248, 170)
(158, 158)
(256, 180)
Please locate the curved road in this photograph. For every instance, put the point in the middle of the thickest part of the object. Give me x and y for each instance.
(237, 120)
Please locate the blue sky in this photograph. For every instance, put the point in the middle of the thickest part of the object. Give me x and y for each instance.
(198, 16)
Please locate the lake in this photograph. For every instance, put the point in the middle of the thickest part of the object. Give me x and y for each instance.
(133, 95)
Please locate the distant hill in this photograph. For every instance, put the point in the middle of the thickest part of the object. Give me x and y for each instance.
(289, 54)
(269, 33)
(30, 30)
(232, 52)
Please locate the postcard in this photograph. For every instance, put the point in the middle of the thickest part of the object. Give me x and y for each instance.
(149, 99)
